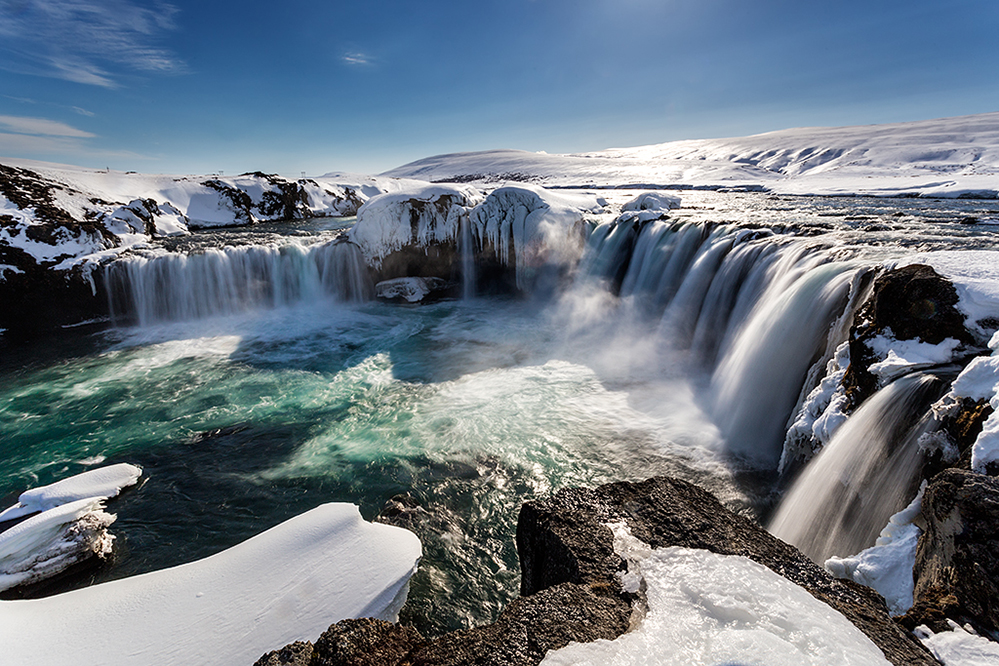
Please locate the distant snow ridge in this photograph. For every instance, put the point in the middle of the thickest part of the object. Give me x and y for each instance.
(949, 157)
(69, 527)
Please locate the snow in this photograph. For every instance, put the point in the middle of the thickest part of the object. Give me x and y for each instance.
(54, 540)
(652, 201)
(900, 357)
(101, 483)
(708, 609)
(960, 646)
(980, 381)
(822, 413)
(385, 222)
(887, 565)
(288, 583)
(543, 227)
(172, 204)
(947, 157)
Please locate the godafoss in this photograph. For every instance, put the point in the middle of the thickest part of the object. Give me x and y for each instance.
(452, 353)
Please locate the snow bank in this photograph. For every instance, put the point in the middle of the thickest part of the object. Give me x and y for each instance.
(286, 584)
(101, 483)
(959, 646)
(79, 216)
(887, 565)
(707, 609)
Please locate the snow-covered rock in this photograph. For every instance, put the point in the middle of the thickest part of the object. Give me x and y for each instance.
(69, 525)
(102, 483)
(417, 217)
(286, 584)
(52, 541)
(531, 228)
(948, 157)
(411, 289)
(652, 201)
(704, 609)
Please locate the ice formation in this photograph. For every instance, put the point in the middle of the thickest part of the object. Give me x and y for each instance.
(960, 646)
(101, 483)
(54, 540)
(286, 584)
(705, 609)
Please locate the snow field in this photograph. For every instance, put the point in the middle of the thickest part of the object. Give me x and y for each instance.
(286, 584)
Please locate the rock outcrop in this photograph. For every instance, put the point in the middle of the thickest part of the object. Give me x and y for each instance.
(957, 561)
(570, 588)
(908, 303)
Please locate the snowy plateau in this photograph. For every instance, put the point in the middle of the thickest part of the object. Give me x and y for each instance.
(808, 387)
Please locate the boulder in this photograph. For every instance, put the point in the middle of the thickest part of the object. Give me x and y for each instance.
(957, 560)
(912, 302)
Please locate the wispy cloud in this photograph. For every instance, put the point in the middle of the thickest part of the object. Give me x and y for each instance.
(86, 41)
(41, 127)
(357, 58)
(84, 112)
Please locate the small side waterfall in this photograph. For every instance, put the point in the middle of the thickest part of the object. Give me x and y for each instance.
(866, 473)
(223, 281)
(466, 246)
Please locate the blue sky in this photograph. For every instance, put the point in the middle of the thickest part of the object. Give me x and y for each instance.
(306, 85)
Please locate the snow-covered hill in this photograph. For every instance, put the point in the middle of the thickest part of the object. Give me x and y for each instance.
(949, 157)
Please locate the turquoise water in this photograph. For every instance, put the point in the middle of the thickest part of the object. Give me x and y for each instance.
(241, 422)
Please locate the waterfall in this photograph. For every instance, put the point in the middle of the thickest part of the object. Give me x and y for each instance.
(223, 281)
(467, 250)
(866, 473)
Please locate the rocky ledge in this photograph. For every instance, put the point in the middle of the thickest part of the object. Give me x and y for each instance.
(571, 591)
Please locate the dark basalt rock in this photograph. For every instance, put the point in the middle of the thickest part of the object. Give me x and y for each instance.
(913, 302)
(957, 561)
(567, 532)
(298, 653)
(570, 588)
(365, 642)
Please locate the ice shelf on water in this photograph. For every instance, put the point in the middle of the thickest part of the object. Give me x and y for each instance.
(286, 584)
(101, 483)
(704, 609)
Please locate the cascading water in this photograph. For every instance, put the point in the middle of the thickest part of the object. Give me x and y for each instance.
(866, 473)
(223, 281)
(753, 310)
(467, 249)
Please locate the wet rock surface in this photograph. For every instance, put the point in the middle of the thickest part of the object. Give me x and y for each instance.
(570, 588)
(957, 562)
